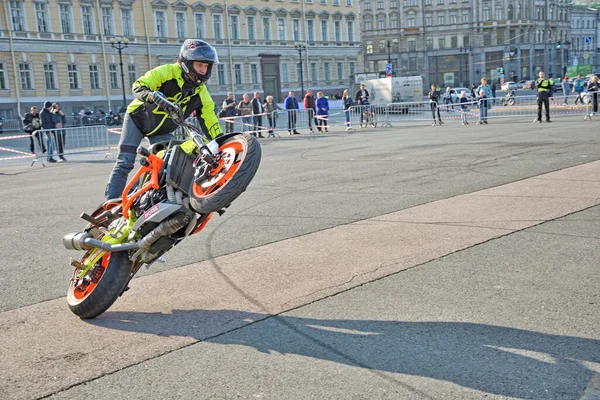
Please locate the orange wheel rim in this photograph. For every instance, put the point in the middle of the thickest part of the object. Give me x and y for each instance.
(82, 289)
(233, 154)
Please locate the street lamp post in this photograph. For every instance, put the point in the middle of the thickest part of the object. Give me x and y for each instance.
(120, 44)
(301, 47)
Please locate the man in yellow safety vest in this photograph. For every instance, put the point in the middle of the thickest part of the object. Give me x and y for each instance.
(544, 87)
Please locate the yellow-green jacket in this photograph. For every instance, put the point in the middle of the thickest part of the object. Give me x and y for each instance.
(150, 119)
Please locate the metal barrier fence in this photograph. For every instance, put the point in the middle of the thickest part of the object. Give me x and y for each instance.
(69, 141)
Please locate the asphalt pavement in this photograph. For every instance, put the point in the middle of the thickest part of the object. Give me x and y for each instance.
(411, 262)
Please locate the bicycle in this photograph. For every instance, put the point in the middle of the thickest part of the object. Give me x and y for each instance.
(368, 118)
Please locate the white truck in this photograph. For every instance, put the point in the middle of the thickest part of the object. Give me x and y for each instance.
(401, 89)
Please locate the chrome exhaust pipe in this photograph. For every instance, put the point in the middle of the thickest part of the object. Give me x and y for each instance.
(84, 241)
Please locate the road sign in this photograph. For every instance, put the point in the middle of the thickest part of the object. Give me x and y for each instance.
(588, 39)
(388, 70)
(586, 56)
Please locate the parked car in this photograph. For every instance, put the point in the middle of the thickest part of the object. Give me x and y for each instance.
(509, 85)
(524, 84)
(456, 93)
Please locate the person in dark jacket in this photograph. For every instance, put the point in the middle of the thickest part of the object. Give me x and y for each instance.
(257, 110)
(291, 105)
(182, 82)
(229, 112)
(434, 101)
(59, 120)
(48, 125)
(32, 124)
(311, 106)
(362, 99)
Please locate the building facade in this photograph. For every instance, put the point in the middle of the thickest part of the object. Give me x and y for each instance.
(456, 42)
(583, 47)
(59, 50)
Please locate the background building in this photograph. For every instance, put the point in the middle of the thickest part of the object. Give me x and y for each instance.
(583, 47)
(456, 42)
(59, 50)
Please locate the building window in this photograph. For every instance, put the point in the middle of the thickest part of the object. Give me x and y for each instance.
(395, 47)
(310, 28)
(161, 23)
(369, 47)
(412, 45)
(429, 43)
(26, 77)
(412, 63)
(50, 76)
(234, 21)
(454, 42)
(340, 70)
(296, 29)
(442, 43)
(3, 85)
(465, 17)
(65, 18)
(180, 25)
(440, 20)
(428, 20)
(238, 74)
(41, 16)
(199, 25)
(285, 72)
(486, 13)
(368, 24)
(327, 72)
(393, 3)
(314, 76)
(127, 22)
(73, 76)
(379, 4)
(380, 22)
(427, 2)
(323, 2)
(108, 21)
(411, 3)
(367, 5)
(113, 76)
(251, 28)
(410, 21)
(337, 31)
(324, 31)
(217, 26)
(281, 31)
(299, 72)
(132, 73)
(254, 73)
(394, 21)
(499, 13)
(453, 18)
(349, 3)
(17, 15)
(87, 19)
(266, 23)
(352, 68)
(350, 29)
(221, 74)
(336, 2)
(94, 76)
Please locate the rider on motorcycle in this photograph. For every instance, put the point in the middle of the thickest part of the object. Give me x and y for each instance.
(181, 82)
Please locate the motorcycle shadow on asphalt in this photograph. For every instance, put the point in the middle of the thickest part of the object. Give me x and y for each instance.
(494, 359)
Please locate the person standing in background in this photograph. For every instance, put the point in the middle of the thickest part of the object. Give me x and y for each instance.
(347, 103)
(60, 120)
(322, 112)
(32, 124)
(310, 106)
(291, 105)
(544, 88)
(271, 109)
(593, 88)
(48, 125)
(245, 109)
(229, 111)
(257, 110)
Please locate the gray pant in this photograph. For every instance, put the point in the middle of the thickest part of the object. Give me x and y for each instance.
(131, 137)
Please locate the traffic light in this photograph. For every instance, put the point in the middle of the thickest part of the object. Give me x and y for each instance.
(558, 45)
(501, 70)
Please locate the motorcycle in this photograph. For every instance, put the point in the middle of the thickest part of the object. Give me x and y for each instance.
(509, 98)
(180, 185)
